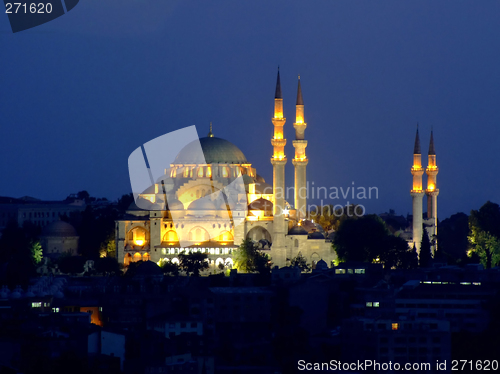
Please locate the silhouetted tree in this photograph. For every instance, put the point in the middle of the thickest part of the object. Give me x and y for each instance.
(107, 265)
(249, 259)
(16, 253)
(413, 258)
(124, 202)
(169, 267)
(193, 263)
(71, 264)
(362, 239)
(453, 237)
(425, 251)
(396, 253)
(301, 262)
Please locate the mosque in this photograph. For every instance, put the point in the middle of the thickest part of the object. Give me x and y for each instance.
(199, 218)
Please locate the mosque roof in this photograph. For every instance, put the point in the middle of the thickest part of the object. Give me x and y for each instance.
(316, 235)
(59, 228)
(261, 204)
(297, 230)
(215, 151)
(202, 204)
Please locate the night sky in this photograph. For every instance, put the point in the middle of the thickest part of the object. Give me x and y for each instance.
(80, 93)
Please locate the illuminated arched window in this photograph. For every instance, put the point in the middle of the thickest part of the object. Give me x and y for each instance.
(138, 236)
(146, 257)
(137, 257)
(200, 172)
(186, 172)
(170, 236)
(198, 234)
(225, 173)
(209, 171)
(225, 236)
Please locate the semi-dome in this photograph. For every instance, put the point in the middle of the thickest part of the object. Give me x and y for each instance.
(215, 151)
(59, 228)
(316, 235)
(174, 204)
(261, 204)
(297, 230)
(202, 204)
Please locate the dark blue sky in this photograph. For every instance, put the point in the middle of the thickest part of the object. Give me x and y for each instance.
(80, 93)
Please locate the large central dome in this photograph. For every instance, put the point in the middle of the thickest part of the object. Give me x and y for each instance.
(215, 150)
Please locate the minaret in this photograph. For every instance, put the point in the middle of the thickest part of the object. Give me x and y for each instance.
(300, 161)
(278, 161)
(432, 191)
(417, 193)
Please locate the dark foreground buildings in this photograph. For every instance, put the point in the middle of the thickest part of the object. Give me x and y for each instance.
(147, 322)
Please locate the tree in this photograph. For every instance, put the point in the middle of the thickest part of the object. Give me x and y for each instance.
(487, 247)
(453, 237)
(301, 262)
(71, 264)
(484, 235)
(193, 263)
(362, 239)
(36, 252)
(169, 267)
(249, 259)
(16, 254)
(425, 251)
(396, 254)
(107, 265)
(413, 258)
(124, 202)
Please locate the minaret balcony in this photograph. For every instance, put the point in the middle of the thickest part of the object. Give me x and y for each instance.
(299, 161)
(278, 142)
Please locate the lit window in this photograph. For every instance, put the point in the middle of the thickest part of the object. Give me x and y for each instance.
(339, 271)
(36, 305)
(376, 304)
(209, 171)
(369, 304)
(359, 271)
(200, 172)
(395, 326)
(224, 172)
(55, 310)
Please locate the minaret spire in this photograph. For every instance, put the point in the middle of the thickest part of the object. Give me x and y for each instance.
(300, 101)
(417, 192)
(278, 160)
(300, 161)
(416, 149)
(432, 191)
(210, 134)
(432, 151)
(277, 94)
